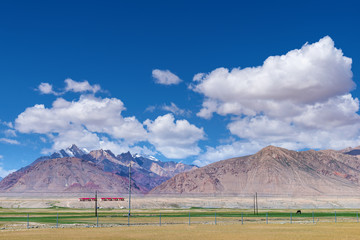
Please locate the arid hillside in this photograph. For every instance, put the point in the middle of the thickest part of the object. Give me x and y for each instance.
(272, 170)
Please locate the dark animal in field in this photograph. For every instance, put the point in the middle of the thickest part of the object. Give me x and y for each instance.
(298, 212)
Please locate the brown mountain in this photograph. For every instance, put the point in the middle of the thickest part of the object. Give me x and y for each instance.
(272, 170)
(74, 170)
(65, 175)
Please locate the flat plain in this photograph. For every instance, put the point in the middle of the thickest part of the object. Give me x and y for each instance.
(70, 219)
(320, 231)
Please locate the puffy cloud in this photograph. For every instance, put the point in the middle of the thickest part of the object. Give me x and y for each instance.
(336, 112)
(309, 75)
(165, 77)
(92, 141)
(94, 114)
(94, 122)
(1, 156)
(121, 147)
(174, 139)
(4, 173)
(81, 122)
(9, 141)
(209, 107)
(84, 86)
(78, 135)
(46, 88)
(270, 130)
(71, 86)
(221, 152)
(265, 131)
(198, 76)
(297, 100)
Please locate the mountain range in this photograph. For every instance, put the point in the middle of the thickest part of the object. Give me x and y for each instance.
(273, 170)
(78, 170)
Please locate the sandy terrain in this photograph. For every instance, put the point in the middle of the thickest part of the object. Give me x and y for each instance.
(319, 231)
(159, 202)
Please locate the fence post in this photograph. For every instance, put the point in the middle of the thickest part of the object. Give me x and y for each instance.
(27, 221)
(242, 219)
(215, 218)
(97, 220)
(128, 219)
(335, 216)
(290, 218)
(160, 219)
(57, 220)
(266, 218)
(189, 218)
(313, 217)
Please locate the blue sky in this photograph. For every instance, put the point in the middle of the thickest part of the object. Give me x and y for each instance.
(120, 75)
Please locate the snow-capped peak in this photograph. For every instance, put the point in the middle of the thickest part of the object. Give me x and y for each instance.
(85, 150)
(152, 158)
(69, 152)
(72, 151)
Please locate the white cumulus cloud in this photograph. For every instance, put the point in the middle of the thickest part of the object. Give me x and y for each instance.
(4, 173)
(174, 139)
(83, 86)
(221, 152)
(47, 88)
(309, 75)
(165, 77)
(71, 86)
(81, 122)
(298, 100)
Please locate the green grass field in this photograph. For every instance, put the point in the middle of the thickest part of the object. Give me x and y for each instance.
(204, 224)
(19, 218)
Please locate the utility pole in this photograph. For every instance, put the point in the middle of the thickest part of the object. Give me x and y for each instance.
(96, 204)
(254, 206)
(129, 193)
(257, 207)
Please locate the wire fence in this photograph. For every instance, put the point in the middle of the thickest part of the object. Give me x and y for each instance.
(59, 210)
(10, 219)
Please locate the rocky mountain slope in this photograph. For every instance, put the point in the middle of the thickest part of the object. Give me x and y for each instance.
(74, 170)
(272, 170)
(67, 174)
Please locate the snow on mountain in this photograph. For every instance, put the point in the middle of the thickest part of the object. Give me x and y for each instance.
(73, 169)
(71, 151)
(152, 158)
